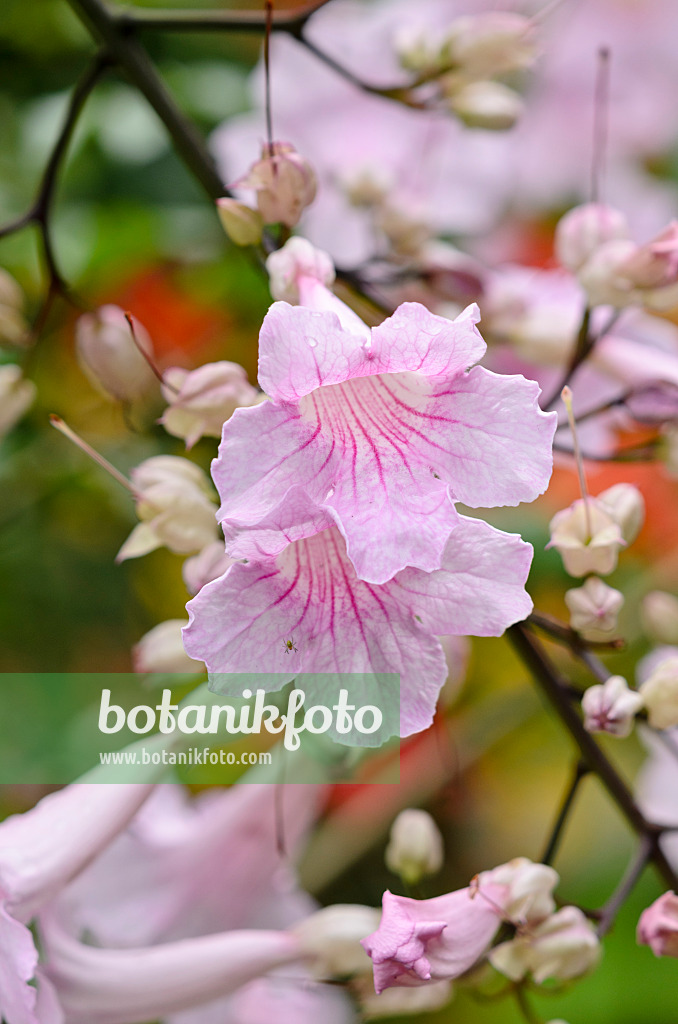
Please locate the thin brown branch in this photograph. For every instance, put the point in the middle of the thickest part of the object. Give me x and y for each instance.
(554, 688)
(133, 60)
(579, 773)
(40, 212)
(568, 636)
(623, 890)
(214, 21)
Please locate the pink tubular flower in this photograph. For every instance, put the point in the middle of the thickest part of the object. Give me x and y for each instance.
(658, 926)
(115, 986)
(420, 941)
(380, 431)
(40, 851)
(337, 622)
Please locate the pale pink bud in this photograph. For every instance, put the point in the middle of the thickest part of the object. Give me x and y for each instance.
(415, 847)
(491, 43)
(332, 937)
(201, 400)
(594, 608)
(655, 264)
(611, 707)
(489, 105)
(419, 941)
(175, 508)
(16, 396)
(585, 551)
(209, 564)
(625, 504)
(660, 694)
(406, 230)
(13, 326)
(124, 986)
(284, 182)
(366, 186)
(658, 926)
(659, 614)
(563, 946)
(290, 266)
(242, 224)
(603, 277)
(584, 229)
(162, 650)
(109, 357)
(526, 889)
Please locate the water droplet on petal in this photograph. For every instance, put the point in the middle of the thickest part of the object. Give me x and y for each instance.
(311, 342)
(329, 493)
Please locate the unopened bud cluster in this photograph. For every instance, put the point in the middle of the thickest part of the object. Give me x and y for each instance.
(467, 59)
(589, 536)
(593, 241)
(284, 184)
(548, 943)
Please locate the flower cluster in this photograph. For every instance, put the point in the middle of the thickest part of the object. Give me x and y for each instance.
(428, 941)
(368, 434)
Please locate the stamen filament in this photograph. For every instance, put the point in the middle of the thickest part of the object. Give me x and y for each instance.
(64, 429)
(566, 395)
(142, 351)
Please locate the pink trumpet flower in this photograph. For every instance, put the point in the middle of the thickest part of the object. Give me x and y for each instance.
(380, 431)
(114, 986)
(40, 852)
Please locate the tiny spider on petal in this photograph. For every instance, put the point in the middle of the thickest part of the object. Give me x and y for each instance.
(289, 646)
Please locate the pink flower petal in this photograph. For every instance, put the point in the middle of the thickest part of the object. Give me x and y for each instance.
(338, 623)
(18, 961)
(381, 437)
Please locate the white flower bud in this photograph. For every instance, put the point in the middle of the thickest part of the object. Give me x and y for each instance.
(175, 508)
(200, 401)
(297, 258)
(529, 888)
(659, 615)
(366, 186)
(660, 694)
(594, 608)
(242, 224)
(489, 105)
(417, 50)
(584, 229)
(489, 44)
(108, 356)
(13, 326)
(415, 847)
(626, 505)
(563, 946)
(583, 552)
(162, 650)
(602, 276)
(332, 937)
(211, 563)
(284, 182)
(611, 707)
(16, 396)
(406, 230)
